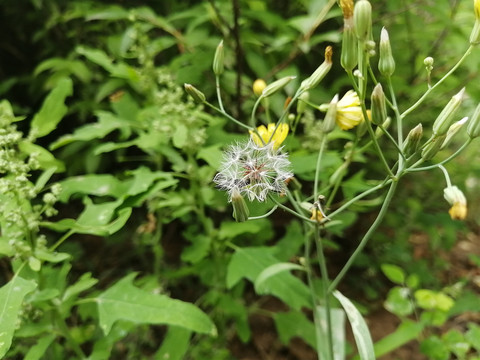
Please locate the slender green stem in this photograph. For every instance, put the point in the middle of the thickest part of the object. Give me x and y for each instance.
(219, 96)
(264, 215)
(325, 284)
(429, 90)
(229, 117)
(401, 156)
(293, 212)
(65, 331)
(414, 168)
(447, 176)
(318, 166)
(62, 239)
(366, 237)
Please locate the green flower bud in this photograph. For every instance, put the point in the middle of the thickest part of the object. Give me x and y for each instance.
(321, 71)
(196, 94)
(412, 142)
(445, 118)
(433, 146)
(475, 34)
(331, 116)
(428, 62)
(473, 129)
(276, 86)
(218, 60)
(378, 105)
(240, 208)
(386, 124)
(349, 56)
(362, 16)
(452, 130)
(386, 63)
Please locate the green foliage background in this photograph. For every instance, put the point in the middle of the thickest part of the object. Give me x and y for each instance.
(100, 84)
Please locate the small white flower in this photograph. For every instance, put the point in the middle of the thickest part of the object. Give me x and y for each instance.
(253, 171)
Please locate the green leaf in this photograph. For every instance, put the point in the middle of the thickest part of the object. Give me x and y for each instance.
(394, 273)
(175, 344)
(53, 109)
(180, 136)
(473, 335)
(11, 298)
(294, 324)
(407, 331)
(84, 283)
(250, 262)
(37, 351)
(428, 299)
(338, 333)
(99, 185)
(435, 348)
(359, 328)
(212, 155)
(45, 158)
(271, 271)
(398, 301)
(124, 301)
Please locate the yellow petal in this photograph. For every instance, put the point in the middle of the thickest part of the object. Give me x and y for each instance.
(458, 211)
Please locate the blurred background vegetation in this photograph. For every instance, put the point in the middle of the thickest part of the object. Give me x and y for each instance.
(129, 59)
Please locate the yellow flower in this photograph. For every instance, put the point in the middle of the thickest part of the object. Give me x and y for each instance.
(349, 111)
(317, 215)
(476, 8)
(455, 197)
(458, 211)
(258, 86)
(266, 135)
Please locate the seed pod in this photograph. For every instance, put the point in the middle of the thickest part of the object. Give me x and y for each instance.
(240, 208)
(196, 94)
(452, 130)
(386, 62)
(218, 60)
(473, 129)
(331, 116)
(276, 86)
(412, 142)
(445, 118)
(362, 16)
(378, 105)
(349, 55)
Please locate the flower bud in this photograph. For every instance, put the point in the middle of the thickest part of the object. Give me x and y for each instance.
(386, 63)
(412, 142)
(473, 129)
(196, 94)
(476, 9)
(362, 16)
(258, 86)
(331, 116)
(218, 60)
(444, 120)
(276, 86)
(301, 103)
(475, 34)
(456, 198)
(433, 147)
(347, 8)
(378, 105)
(349, 55)
(452, 130)
(428, 62)
(321, 71)
(240, 208)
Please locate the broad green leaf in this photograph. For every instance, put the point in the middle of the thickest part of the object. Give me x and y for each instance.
(457, 343)
(124, 301)
(96, 56)
(37, 351)
(53, 109)
(175, 344)
(11, 298)
(435, 348)
(359, 328)
(394, 273)
(65, 67)
(294, 324)
(180, 136)
(274, 270)
(84, 283)
(250, 262)
(473, 335)
(112, 12)
(212, 155)
(54, 257)
(231, 229)
(143, 178)
(337, 316)
(198, 250)
(407, 331)
(99, 185)
(44, 177)
(97, 214)
(429, 299)
(399, 302)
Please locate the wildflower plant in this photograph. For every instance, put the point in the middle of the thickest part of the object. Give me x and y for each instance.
(258, 168)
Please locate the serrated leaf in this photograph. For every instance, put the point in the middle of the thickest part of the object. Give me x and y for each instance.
(99, 185)
(84, 283)
(250, 262)
(11, 298)
(394, 273)
(359, 328)
(124, 301)
(53, 109)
